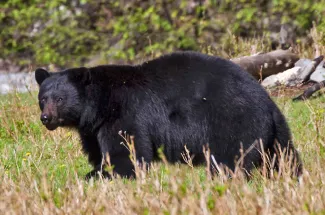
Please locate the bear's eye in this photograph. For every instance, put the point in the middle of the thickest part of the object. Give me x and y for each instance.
(42, 100)
(60, 99)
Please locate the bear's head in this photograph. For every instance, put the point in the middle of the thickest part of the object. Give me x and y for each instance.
(61, 96)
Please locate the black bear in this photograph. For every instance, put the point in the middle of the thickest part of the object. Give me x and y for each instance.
(183, 98)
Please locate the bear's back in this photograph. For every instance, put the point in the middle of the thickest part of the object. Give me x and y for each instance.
(192, 73)
(193, 63)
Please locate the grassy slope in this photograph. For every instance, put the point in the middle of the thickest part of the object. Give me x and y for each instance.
(42, 172)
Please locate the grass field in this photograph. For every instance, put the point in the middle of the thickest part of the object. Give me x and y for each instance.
(42, 172)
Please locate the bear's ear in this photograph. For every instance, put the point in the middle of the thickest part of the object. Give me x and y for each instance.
(41, 75)
(80, 75)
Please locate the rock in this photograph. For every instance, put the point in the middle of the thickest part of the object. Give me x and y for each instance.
(306, 71)
(319, 74)
(295, 75)
(283, 78)
(271, 81)
(303, 62)
(17, 82)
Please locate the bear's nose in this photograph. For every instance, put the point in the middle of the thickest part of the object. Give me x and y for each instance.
(45, 119)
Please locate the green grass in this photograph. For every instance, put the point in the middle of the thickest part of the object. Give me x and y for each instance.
(42, 172)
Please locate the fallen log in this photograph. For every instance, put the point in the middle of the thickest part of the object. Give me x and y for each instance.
(310, 91)
(265, 64)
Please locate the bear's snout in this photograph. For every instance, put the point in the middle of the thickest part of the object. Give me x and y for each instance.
(49, 122)
(45, 118)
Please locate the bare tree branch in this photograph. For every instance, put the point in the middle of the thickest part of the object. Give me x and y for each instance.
(309, 92)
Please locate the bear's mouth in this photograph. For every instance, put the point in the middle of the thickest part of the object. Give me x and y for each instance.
(55, 124)
(51, 127)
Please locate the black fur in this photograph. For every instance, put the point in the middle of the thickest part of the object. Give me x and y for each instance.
(184, 98)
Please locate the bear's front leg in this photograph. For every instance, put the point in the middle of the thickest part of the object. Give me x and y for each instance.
(109, 142)
(91, 148)
(123, 166)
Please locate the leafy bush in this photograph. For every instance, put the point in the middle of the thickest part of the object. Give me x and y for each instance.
(68, 32)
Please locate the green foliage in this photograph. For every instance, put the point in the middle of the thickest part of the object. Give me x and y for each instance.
(45, 32)
(67, 33)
